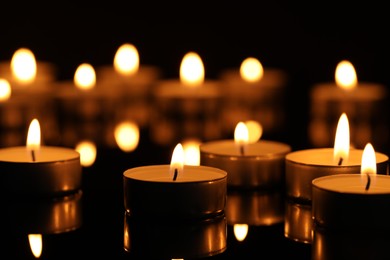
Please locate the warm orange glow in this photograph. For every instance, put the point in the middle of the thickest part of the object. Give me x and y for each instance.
(255, 131)
(191, 152)
(368, 161)
(251, 70)
(85, 76)
(5, 90)
(24, 66)
(35, 241)
(87, 151)
(241, 135)
(342, 140)
(34, 135)
(345, 75)
(127, 136)
(177, 161)
(240, 231)
(126, 60)
(192, 70)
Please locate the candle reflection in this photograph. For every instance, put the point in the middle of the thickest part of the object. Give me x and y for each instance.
(37, 218)
(174, 239)
(298, 222)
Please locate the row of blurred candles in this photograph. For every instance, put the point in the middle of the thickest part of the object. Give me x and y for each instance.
(97, 103)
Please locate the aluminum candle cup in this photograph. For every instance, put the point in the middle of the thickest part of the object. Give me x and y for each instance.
(198, 192)
(175, 240)
(55, 171)
(255, 208)
(349, 221)
(261, 165)
(341, 202)
(304, 166)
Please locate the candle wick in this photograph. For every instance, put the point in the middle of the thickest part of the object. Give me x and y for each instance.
(368, 181)
(33, 155)
(340, 161)
(241, 149)
(175, 174)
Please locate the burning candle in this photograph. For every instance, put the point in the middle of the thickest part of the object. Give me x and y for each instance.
(304, 166)
(354, 206)
(133, 80)
(29, 96)
(364, 102)
(39, 170)
(175, 190)
(88, 106)
(260, 163)
(186, 108)
(253, 92)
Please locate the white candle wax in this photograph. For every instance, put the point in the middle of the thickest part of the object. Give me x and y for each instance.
(55, 171)
(341, 201)
(197, 192)
(305, 165)
(261, 165)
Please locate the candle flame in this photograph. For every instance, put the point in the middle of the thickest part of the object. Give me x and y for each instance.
(192, 70)
(345, 75)
(34, 135)
(85, 76)
(127, 136)
(191, 152)
(35, 241)
(241, 135)
(368, 167)
(342, 141)
(24, 66)
(240, 231)
(5, 90)
(87, 151)
(177, 161)
(251, 70)
(255, 130)
(126, 60)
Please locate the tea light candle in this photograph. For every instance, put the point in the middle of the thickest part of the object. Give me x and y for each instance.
(186, 108)
(364, 102)
(31, 85)
(304, 166)
(249, 164)
(253, 92)
(88, 106)
(357, 197)
(175, 190)
(352, 206)
(39, 170)
(133, 80)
